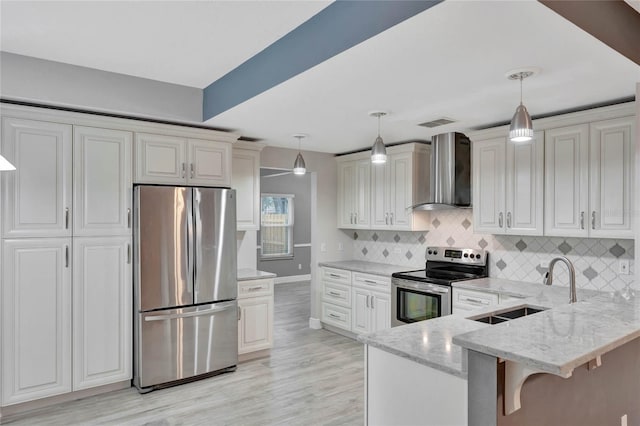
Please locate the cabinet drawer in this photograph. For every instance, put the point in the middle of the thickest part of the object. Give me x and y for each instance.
(507, 298)
(371, 281)
(336, 316)
(338, 294)
(255, 288)
(469, 299)
(336, 275)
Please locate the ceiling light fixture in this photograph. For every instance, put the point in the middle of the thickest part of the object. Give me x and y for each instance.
(521, 129)
(5, 165)
(299, 167)
(378, 151)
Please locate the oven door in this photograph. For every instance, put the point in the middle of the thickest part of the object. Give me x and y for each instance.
(413, 301)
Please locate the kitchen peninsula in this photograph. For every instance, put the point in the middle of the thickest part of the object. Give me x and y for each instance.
(586, 352)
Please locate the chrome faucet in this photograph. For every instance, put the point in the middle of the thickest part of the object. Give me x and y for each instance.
(573, 298)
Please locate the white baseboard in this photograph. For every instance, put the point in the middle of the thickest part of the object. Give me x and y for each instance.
(315, 324)
(292, 279)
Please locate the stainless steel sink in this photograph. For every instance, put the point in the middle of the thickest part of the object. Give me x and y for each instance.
(498, 317)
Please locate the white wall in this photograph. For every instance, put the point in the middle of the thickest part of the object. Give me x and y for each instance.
(324, 227)
(29, 79)
(247, 242)
(637, 182)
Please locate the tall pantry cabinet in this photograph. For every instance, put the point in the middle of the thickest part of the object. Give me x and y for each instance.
(66, 256)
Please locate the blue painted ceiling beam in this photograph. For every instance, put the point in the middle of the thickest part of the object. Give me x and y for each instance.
(338, 27)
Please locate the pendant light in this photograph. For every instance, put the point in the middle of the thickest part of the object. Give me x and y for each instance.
(521, 129)
(5, 165)
(378, 151)
(299, 167)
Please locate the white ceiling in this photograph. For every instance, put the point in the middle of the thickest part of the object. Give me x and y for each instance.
(448, 61)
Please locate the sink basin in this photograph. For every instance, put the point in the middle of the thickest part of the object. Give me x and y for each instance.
(498, 317)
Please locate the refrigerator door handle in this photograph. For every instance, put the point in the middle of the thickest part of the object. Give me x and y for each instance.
(196, 241)
(219, 308)
(191, 233)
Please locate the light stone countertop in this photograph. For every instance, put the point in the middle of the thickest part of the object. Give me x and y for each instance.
(245, 274)
(555, 341)
(366, 267)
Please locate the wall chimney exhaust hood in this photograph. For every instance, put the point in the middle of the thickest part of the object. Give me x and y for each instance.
(450, 174)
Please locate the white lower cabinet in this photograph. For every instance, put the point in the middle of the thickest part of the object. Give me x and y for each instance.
(255, 327)
(371, 310)
(470, 300)
(66, 315)
(36, 319)
(101, 311)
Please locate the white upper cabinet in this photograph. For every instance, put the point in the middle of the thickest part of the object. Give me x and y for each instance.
(379, 196)
(209, 163)
(176, 160)
(354, 192)
(36, 197)
(508, 186)
(567, 181)
(102, 181)
(102, 305)
(36, 319)
(612, 178)
(246, 181)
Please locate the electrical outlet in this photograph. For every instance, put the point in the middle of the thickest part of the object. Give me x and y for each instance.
(323, 247)
(299, 266)
(623, 267)
(544, 264)
(340, 247)
(397, 250)
(623, 420)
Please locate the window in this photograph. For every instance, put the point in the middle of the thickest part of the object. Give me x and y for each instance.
(276, 226)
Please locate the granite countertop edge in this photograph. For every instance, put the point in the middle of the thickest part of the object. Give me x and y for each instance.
(246, 274)
(373, 268)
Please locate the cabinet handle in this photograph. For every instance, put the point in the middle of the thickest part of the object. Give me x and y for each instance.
(239, 314)
(255, 288)
(367, 302)
(581, 220)
(66, 256)
(500, 220)
(335, 276)
(184, 169)
(372, 299)
(333, 293)
(334, 316)
(129, 218)
(191, 170)
(355, 218)
(386, 218)
(593, 219)
(129, 254)
(476, 301)
(508, 219)
(391, 218)
(66, 218)
(370, 282)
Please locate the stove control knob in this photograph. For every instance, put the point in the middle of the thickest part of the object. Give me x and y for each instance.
(435, 252)
(430, 252)
(477, 256)
(466, 255)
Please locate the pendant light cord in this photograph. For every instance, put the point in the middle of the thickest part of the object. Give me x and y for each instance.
(520, 89)
(378, 125)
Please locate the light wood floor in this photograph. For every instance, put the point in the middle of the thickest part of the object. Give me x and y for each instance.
(312, 377)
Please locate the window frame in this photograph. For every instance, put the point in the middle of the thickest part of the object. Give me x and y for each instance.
(291, 217)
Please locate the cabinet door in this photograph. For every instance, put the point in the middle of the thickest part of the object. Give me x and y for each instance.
(362, 193)
(489, 186)
(400, 190)
(361, 311)
(160, 159)
(612, 178)
(525, 186)
(380, 195)
(36, 197)
(380, 311)
(246, 181)
(102, 311)
(346, 194)
(36, 319)
(102, 181)
(256, 324)
(209, 163)
(566, 181)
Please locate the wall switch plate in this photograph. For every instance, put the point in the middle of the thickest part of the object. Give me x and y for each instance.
(544, 264)
(299, 266)
(623, 267)
(340, 247)
(397, 250)
(323, 247)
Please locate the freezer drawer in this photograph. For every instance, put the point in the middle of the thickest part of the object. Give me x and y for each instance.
(176, 344)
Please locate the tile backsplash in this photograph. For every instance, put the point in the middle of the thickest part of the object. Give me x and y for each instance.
(517, 258)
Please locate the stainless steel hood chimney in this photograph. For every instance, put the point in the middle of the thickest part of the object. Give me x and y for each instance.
(450, 174)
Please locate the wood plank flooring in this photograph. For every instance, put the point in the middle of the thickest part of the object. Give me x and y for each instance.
(313, 377)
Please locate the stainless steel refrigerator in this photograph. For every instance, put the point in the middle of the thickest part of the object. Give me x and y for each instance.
(185, 284)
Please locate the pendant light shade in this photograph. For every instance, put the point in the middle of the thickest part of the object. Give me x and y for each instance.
(521, 129)
(299, 167)
(5, 165)
(378, 151)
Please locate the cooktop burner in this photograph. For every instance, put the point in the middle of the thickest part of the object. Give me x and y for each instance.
(447, 264)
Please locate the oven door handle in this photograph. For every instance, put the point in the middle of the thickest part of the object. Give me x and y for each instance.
(439, 290)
